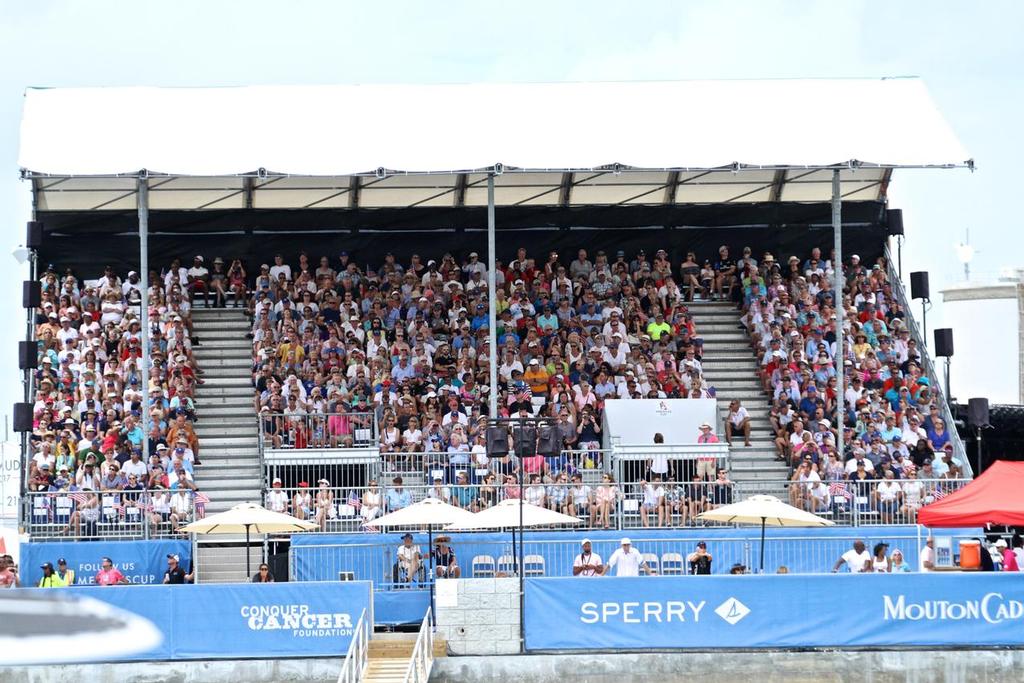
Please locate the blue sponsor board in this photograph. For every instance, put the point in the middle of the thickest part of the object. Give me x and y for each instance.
(232, 621)
(873, 610)
(143, 562)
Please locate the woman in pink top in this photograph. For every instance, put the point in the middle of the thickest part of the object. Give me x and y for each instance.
(109, 575)
(1009, 558)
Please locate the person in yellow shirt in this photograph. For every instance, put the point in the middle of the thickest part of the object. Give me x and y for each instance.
(64, 574)
(658, 326)
(50, 578)
(537, 377)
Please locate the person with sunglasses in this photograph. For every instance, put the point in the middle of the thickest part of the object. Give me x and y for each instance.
(263, 575)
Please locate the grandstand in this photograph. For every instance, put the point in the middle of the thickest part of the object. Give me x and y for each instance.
(332, 334)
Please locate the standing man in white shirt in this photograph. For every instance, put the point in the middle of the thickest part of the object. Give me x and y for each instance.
(858, 559)
(926, 558)
(627, 560)
(587, 563)
(738, 420)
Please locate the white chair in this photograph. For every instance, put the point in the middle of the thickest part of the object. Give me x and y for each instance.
(507, 565)
(672, 565)
(533, 565)
(652, 562)
(483, 567)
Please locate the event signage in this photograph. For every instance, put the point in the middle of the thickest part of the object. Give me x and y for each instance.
(774, 611)
(142, 562)
(216, 621)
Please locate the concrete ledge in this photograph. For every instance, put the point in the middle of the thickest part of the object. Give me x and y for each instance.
(201, 671)
(888, 666)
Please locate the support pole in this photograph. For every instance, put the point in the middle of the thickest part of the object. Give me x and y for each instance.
(143, 207)
(840, 281)
(492, 301)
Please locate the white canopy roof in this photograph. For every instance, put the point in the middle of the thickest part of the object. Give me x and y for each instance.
(431, 145)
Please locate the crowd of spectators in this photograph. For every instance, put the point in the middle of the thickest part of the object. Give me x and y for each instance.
(894, 434)
(406, 345)
(87, 438)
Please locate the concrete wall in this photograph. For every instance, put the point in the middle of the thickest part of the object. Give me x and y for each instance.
(479, 616)
(225, 671)
(913, 666)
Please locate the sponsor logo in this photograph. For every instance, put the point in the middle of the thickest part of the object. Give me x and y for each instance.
(732, 610)
(298, 619)
(641, 612)
(992, 607)
(663, 409)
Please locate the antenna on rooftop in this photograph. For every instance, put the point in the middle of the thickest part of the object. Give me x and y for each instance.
(965, 252)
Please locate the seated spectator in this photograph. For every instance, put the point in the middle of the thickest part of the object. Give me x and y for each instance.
(445, 564)
(408, 567)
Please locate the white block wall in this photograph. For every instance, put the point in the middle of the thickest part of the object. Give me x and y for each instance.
(485, 620)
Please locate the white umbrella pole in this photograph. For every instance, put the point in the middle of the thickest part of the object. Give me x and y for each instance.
(433, 573)
(762, 544)
(248, 567)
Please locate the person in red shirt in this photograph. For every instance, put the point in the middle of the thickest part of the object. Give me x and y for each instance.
(109, 575)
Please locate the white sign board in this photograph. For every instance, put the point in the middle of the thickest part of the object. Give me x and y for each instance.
(10, 480)
(635, 422)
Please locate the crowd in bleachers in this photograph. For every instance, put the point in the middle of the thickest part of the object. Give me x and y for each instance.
(87, 438)
(893, 430)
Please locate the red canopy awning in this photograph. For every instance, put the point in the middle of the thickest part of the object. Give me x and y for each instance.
(995, 497)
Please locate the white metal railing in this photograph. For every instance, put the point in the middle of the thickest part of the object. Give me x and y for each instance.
(422, 659)
(354, 666)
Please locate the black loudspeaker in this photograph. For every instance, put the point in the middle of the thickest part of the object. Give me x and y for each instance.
(31, 294)
(34, 235)
(944, 342)
(549, 444)
(23, 417)
(525, 442)
(497, 442)
(28, 357)
(977, 412)
(919, 285)
(894, 219)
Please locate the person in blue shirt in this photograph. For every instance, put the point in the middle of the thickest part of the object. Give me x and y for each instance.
(398, 497)
(481, 319)
(810, 401)
(547, 319)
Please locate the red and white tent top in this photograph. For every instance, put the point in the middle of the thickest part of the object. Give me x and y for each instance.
(433, 145)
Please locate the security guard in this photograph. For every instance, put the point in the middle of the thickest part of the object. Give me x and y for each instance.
(66, 575)
(50, 579)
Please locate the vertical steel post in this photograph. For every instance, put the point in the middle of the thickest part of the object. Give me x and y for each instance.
(492, 300)
(143, 209)
(839, 283)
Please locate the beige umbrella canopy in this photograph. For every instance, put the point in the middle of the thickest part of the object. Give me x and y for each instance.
(766, 511)
(429, 512)
(246, 517)
(507, 514)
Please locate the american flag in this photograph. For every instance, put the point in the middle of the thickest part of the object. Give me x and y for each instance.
(80, 497)
(939, 493)
(838, 488)
(200, 500)
(353, 500)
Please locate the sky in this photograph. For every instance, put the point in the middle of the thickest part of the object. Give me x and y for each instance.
(968, 53)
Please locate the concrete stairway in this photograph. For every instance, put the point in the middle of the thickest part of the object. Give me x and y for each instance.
(228, 436)
(389, 656)
(731, 367)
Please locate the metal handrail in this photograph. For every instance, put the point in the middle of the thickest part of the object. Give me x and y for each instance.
(422, 659)
(356, 659)
(959, 450)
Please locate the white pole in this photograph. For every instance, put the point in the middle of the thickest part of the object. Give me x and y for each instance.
(839, 282)
(492, 304)
(143, 206)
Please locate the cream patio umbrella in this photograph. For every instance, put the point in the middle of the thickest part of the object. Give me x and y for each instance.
(766, 511)
(246, 517)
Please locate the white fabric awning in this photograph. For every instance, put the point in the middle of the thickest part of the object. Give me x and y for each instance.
(431, 145)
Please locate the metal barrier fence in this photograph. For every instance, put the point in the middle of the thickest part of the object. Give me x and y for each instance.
(600, 503)
(109, 515)
(414, 467)
(488, 558)
(318, 431)
(632, 462)
(938, 394)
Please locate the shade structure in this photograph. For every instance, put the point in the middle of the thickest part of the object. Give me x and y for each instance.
(429, 512)
(766, 511)
(245, 518)
(507, 514)
(995, 497)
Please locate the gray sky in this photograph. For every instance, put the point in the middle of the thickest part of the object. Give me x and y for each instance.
(969, 54)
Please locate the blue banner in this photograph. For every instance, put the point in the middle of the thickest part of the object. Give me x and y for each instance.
(143, 562)
(230, 621)
(785, 611)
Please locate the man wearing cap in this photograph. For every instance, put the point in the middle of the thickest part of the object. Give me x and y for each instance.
(109, 575)
(408, 568)
(627, 560)
(174, 574)
(50, 579)
(67, 576)
(587, 563)
(700, 560)
(198, 278)
(277, 498)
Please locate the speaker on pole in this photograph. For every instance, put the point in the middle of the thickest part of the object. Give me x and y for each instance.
(977, 412)
(497, 442)
(894, 220)
(31, 294)
(549, 444)
(919, 285)
(525, 441)
(34, 235)
(23, 417)
(28, 358)
(944, 342)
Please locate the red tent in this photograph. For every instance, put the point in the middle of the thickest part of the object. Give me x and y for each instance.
(995, 497)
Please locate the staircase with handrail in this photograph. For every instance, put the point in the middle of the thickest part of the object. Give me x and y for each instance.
(391, 657)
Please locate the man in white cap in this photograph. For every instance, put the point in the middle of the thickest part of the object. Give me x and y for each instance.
(587, 563)
(277, 499)
(627, 560)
